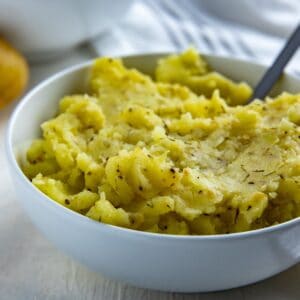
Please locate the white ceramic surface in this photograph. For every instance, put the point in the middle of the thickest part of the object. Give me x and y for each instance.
(162, 262)
(43, 28)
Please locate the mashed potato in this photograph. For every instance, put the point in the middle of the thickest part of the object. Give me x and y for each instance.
(179, 154)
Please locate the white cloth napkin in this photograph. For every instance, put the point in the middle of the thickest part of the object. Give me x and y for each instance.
(254, 30)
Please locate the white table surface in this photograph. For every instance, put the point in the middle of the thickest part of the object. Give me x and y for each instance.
(31, 268)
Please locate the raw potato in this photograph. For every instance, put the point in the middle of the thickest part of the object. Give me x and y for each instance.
(155, 156)
(13, 73)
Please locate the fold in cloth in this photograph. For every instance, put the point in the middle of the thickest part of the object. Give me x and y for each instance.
(254, 30)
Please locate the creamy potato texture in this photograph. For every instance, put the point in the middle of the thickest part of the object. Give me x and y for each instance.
(180, 154)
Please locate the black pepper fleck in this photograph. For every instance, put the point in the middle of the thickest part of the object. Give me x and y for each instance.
(236, 215)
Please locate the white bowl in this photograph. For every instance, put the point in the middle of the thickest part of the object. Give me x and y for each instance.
(43, 28)
(155, 261)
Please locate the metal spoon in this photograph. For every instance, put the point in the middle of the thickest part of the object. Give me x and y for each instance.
(273, 73)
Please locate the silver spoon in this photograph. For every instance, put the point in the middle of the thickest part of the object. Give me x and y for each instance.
(273, 73)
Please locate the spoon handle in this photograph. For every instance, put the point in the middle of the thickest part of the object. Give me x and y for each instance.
(273, 73)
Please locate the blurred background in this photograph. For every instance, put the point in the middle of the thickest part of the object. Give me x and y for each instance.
(52, 30)
(55, 34)
(41, 37)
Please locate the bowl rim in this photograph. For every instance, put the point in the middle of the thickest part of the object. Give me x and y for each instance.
(15, 168)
